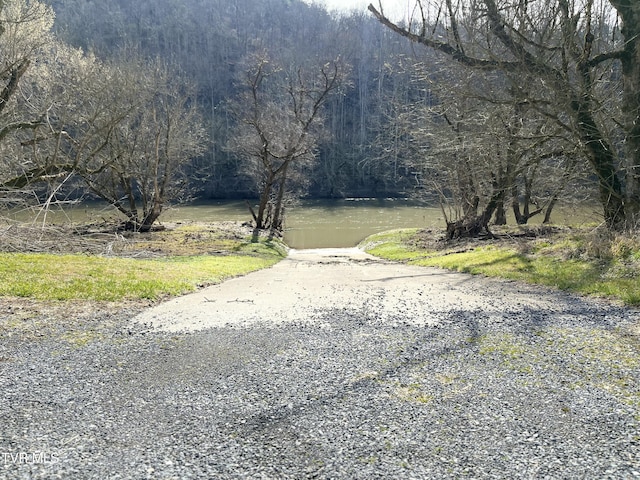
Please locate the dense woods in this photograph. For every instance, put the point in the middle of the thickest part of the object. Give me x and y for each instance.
(210, 40)
(488, 108)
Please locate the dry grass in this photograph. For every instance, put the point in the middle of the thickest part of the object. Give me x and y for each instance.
(54, 275)
(104, 239)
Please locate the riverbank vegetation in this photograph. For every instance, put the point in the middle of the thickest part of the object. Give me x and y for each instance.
(90, 265)
(585, 261)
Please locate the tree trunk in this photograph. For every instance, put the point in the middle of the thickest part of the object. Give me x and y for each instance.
(473, 226)
(276, 224)
(264, 202)
(515, 206)
(253, 213)
(500, 183)
(12, 84)
(464, 228)
(501, 214)
(547, 213)
(151, 216)
(603, 162)
(629, 11)
(522, 217)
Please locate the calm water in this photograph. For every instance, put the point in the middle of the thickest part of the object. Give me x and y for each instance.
(325, 223)
(312, 224)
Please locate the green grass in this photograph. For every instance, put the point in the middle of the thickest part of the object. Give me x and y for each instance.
(567, 262)
(395, 245)
(85, 277)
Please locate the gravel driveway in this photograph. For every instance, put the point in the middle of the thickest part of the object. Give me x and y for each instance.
(335, 365)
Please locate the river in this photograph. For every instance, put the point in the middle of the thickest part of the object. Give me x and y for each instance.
(325, 223)
(310, 224)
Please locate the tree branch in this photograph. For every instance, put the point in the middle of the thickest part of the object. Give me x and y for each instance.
(12, 84)
(456, 53)
(12, 127)
(37, 174)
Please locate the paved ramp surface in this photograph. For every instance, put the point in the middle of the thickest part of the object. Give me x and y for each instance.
(309, 282)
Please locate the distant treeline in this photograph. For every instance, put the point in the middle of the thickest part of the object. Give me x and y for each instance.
(207, 39)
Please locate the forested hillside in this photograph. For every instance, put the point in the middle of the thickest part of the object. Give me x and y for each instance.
(209, 40)
(497, 110)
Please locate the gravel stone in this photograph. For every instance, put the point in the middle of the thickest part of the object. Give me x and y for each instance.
(516, 391)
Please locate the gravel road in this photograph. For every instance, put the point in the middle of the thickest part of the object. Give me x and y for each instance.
(334, 365)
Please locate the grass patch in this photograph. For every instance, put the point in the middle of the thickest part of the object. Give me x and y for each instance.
(45, 276)
(510, 351)
(412, 393)
(395, 245)
(198, 240)
(601, 358)
(81, 338)
(69, 277)
(572, 261)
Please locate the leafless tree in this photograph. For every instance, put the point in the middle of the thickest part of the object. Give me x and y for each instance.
(24, 33)
(279, 121)
(147, 151)
(124, 128)
(479, 148)
(566, 60)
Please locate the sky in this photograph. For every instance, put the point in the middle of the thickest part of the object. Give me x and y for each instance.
(392, 8)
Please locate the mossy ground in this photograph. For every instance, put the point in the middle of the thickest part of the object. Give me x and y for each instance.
(589, 358)
(584, 262)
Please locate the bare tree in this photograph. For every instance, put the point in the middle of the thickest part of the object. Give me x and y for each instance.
(566, 60)
(279, 115)
(81, 104)
(479, 148)
(147, 151)
(24, 32)
(125, 128)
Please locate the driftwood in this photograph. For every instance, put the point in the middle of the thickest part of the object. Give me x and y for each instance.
(22, 237)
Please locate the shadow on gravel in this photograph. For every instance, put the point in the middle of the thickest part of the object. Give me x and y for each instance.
(519, 393)
(400, 277)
